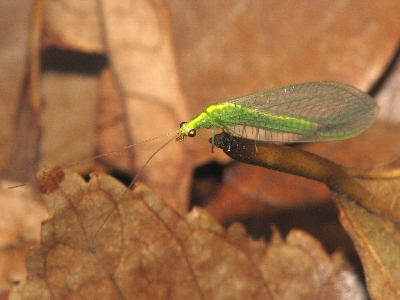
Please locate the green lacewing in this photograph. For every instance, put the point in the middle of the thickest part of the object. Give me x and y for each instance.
(308, 112)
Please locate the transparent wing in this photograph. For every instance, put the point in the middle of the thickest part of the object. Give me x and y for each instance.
(336, 110)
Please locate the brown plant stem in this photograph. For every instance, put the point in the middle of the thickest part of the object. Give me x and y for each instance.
(298, 162)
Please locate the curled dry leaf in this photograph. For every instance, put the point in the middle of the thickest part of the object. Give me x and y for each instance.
(145, 250)
(377, 239)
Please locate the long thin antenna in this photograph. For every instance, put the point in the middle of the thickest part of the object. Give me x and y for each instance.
(101, 155)
(128, 188)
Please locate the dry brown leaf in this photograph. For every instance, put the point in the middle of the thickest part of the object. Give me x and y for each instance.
(377, 239)
(147, 251)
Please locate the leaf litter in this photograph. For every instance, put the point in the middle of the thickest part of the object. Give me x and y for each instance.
(146, 250)
(195, 80)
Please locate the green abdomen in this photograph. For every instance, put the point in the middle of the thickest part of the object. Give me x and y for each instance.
(229, 114)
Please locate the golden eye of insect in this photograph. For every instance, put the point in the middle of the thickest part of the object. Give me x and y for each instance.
(192, 133)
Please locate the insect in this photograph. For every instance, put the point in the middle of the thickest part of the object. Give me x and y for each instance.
(308, 112)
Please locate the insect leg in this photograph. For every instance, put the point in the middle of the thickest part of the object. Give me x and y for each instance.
(257, 137)
(212, 139)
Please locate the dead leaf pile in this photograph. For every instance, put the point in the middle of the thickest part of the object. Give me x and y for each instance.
(141, 59)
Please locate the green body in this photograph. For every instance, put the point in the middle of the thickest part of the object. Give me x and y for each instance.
(301, 113)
